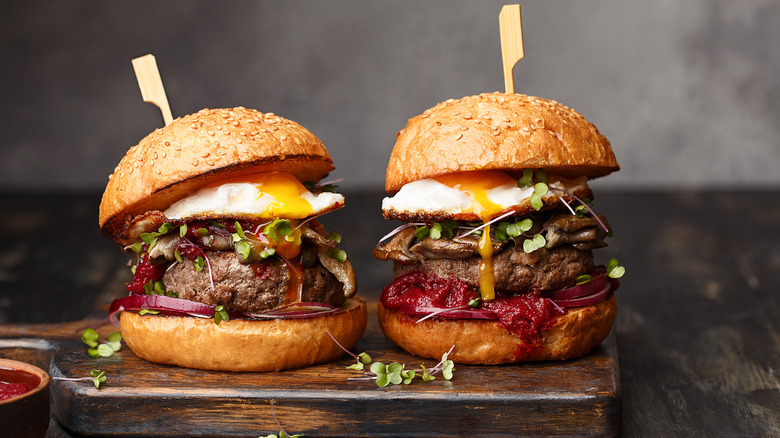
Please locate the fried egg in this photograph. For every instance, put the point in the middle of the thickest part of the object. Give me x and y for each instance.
(480, 194)
(263, 196)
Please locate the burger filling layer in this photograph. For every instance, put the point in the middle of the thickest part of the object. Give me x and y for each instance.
(531, 238)
(244, 247)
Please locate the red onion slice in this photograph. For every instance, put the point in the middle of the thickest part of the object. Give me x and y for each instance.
(182, 307)
(587, 300)
(596, 284)
(448, 313)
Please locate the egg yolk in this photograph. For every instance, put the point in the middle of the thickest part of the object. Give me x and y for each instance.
(478, 184)
(286, 191)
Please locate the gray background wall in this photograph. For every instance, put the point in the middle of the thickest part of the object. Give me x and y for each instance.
(687, 91)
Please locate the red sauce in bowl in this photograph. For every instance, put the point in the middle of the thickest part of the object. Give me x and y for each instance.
(14, 383)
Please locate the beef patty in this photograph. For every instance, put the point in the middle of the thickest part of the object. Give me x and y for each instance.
(249, 288)
(514, 270)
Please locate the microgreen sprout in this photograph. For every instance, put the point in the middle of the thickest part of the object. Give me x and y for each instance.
(148, 312)
(158, 288)
(436, 230)
(395, 373)
(199, 263)
(583, 279)
(220, 314)
(508, 230)
(96, 349)
(335, 253)
(282, 433)
(614, 270)
(338, 254)
(531, 245)
(278, 229)
(97, 377)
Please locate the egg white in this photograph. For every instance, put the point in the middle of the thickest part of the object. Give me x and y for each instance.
(245, 199)
(431, 197)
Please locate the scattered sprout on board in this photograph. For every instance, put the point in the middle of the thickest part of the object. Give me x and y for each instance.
(395, 373)
(90, 338)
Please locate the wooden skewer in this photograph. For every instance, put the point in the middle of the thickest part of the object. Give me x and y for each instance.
(511, 28)
(151, 86)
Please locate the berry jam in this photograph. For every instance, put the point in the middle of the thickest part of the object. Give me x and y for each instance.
(145, 271)
(525, 315)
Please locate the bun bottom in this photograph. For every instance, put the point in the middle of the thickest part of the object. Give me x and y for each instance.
(483, 342)
(243, 345)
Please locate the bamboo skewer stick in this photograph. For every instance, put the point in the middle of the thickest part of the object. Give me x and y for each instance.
(511, 28)
(151, 86)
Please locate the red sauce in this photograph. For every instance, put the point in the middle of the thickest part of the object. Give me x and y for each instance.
(525, 315)
(14, 383)
(145, 271)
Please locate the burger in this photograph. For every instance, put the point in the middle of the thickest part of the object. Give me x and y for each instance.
(494, 259)
(231, 269)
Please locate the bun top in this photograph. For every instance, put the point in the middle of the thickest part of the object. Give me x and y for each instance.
(195, 150)
(498, 131)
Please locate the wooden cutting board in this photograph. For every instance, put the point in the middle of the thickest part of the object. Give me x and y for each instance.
(577, 398)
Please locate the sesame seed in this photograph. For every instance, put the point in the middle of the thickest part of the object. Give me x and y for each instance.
(283, 137)
(205, 154)
(460, 135)
(211, 133)
(157, 171)
(194, 161)
(177, 148)
(165, 154)
(155, 155)
(236, 123)
(167, 143)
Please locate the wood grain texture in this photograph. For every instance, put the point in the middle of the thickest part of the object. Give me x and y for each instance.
(144, 399)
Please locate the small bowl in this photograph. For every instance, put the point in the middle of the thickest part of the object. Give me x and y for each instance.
(27, 414)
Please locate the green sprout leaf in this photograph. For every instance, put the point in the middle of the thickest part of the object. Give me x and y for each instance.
(421, 232)
(338, 254)
(364, 358)
(277, 229)
(585, 278)
(182, 230)
(527, 179)
(199, 263)
(531, 245)
(614, 270)
(90, 337)
(98, 377)
(115, 341)
(104, 350)
(244, 249)
(220, 314)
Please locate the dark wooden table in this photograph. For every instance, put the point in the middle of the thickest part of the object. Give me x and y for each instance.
(698, 330)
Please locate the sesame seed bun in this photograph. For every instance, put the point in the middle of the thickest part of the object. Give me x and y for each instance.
(498, 131)
(484, 342)
(195, 150)
(242, 345)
